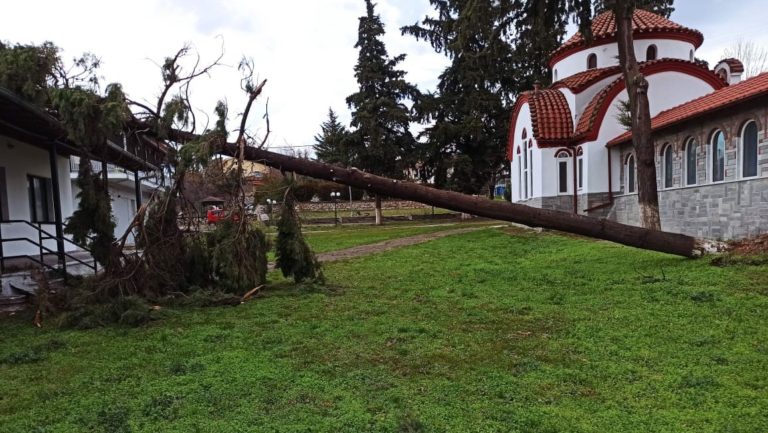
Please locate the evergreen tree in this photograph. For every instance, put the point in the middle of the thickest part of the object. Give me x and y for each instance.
(331, 145)
(470, 110)
(381, 142)
(294, 258)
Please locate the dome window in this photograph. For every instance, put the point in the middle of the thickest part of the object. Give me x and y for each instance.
(651, 53)
(592, 61)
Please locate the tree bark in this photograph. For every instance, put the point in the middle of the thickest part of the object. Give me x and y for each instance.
(637, 91)
(377, 208)
(578, 224)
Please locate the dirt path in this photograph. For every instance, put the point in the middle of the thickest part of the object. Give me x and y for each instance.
(391, 244)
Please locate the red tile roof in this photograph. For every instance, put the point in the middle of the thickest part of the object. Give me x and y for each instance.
(550, 115)
(579, 82)
(719, 99)
(644, 24)
(551, 118)
(735, 65)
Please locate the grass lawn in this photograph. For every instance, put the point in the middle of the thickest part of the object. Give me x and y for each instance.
(492, 331)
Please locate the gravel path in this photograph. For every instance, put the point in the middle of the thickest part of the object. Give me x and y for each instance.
(392, 244)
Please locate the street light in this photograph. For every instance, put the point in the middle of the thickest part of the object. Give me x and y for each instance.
(270, 207)
(335, 196)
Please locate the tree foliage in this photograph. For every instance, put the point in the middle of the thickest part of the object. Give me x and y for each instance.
(91, 224)
(294, 258)
(332, 144)
(469, 112)
(381, 141)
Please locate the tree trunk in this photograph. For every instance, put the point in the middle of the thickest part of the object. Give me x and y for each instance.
(637, 90)
(377, 208)
(596, 228)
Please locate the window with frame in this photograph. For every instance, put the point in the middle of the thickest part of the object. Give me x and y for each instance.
(651, 52)
(749, 150)
(519, 175)
(667, 158)
(579, 168)
(530, 168)
(562, 159)
(3, 196)
(630, 174)
(691, 155)
(718, 156)
(592, 61)
(40, 199)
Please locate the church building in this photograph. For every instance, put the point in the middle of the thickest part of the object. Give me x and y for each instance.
(569, 151)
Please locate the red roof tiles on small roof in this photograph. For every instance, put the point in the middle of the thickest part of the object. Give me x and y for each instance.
(551, 118)
(735, 65)
(722, 98)
(645, 24)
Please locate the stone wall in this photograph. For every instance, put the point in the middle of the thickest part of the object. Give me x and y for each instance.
(341, 205)
(732, 208)
(728, 210)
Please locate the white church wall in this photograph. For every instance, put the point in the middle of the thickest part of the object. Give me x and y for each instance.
(608, 55)
(665, 90)
(523, 124)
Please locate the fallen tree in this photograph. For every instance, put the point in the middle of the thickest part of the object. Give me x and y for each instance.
(672, 243)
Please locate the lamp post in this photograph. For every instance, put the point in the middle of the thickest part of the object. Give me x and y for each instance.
(270, 207)
(335, 196)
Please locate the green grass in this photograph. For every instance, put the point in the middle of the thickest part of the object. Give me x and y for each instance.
(489, 331)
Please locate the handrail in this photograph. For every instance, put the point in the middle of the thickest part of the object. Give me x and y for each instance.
(50, 236)
(50, 251)
(63, 255)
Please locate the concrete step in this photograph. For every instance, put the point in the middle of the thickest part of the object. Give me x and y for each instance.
(11, 303)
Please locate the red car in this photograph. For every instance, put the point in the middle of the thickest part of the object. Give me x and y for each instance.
(214, 216)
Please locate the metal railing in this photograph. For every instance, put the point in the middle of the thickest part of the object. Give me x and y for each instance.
(42, 236)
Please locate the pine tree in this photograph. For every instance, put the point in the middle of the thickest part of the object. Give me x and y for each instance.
(331, 145)
(470, 109)
(381, 142)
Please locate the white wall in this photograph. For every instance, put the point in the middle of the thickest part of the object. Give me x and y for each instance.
(608, 55)
(666, 90)
(19, 160)
(523, 122)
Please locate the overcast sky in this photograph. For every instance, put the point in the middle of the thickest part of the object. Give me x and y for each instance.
(305, 48)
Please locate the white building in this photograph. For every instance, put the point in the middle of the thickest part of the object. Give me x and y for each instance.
(37, 184)
(558, 143)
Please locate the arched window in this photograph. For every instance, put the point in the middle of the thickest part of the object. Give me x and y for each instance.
(749, 150)
(667, 157)
(580, 168)
(651, 52)
(519, 174)
(717, 153)
(530, 168)
(592, 61)
(525, 134)
(562, 158)
(630, 173)
(691, 154)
